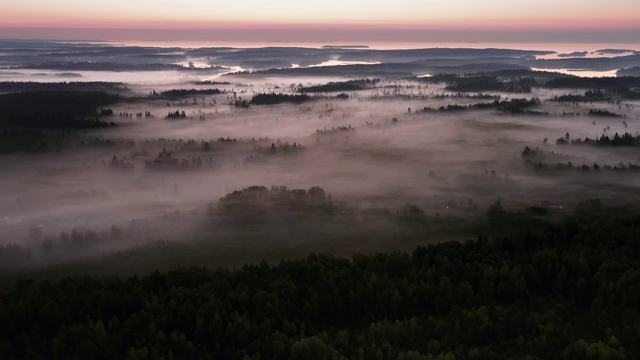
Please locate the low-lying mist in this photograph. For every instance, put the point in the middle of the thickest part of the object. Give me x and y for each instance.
(376, 153)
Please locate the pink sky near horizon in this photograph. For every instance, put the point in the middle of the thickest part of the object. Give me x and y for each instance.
(289, 19)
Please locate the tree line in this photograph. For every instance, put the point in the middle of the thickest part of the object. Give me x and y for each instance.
(55, 109)
(513, 106)
(349, 85)
(565, 289)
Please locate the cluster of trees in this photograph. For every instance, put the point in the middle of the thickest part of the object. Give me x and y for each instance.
(240, 103)
(185, 92)
(59, 122)
(631, 94)
(55, 109)
(566, 289)
(589, 96)
(622, 87)
(280, 197)
(284, 147)
(529, 152)
(45, 248)
(255, 216)
(20, 86)
(612, 84)
(280, 147)
(438, 78)
(176, 115)
(468, 96)
(626, 139)
(21, 140)
(273, 98)
(490, 83)
(371, 124)
(227, 139)
(536, 158)
(513, 106)
(599, 112)
(524, 80)
(166, 161)
(14, 140)
(539, 165)
(517, 106)
(349, 85)
(335, 129)
(210, 82)
(66, 245)
(122, 164)
(145, 114)
(273, 214)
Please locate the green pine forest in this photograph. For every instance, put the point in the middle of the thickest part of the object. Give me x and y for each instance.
(566, 288)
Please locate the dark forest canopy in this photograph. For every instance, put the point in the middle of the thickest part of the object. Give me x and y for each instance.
(626, 139)
(524, 80)
(594, 82)
(488, 83)
(513, 106)
(536, 74)
(210, 82)
(273, 98)
(567, 289)
(363, 70)
(349, 85)
(16, 86)
(589, 95)
(501, 74)
(480, 83)
(604, 113)
(54, 109)
(186, 92)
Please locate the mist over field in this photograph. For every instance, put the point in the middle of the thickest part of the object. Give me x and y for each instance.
(106, 148)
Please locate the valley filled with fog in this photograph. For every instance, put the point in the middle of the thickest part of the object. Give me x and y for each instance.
(126, 159)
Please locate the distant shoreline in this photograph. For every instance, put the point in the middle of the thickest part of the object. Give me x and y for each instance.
(372, 45)
(345, 47)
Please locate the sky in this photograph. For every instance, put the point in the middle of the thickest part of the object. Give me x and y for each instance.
(317, 20)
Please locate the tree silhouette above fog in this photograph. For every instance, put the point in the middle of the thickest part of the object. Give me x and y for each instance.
(349, 85)
(513, 106)
(55, 109)
(273, 98)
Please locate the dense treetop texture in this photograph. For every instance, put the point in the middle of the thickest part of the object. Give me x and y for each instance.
(54, 109)
(554, 290)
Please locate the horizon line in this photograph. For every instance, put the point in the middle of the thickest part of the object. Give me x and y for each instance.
(310, 34)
